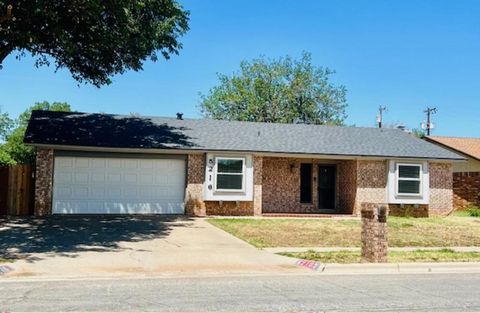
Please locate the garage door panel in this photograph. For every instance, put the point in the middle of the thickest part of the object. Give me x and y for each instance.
(81, 163)
(118, 186)
(114, 178)
(81, 178)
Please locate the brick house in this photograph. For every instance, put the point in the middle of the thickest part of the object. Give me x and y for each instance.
(466, 175)
(101, 163)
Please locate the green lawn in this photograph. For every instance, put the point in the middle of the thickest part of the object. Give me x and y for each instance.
(403, 232)
(443, 255)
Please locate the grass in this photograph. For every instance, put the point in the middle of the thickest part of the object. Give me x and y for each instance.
(443, 255)
(472, 211)
(462, 213)
(403, 232)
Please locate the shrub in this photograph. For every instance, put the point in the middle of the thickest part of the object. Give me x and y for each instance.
(473, 211)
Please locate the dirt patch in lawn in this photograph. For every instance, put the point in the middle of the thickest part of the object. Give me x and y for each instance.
(403, 232)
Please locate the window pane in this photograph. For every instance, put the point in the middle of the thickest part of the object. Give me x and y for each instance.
(305, 183)
(406, 171)
(409, 186)
(230, 166)
(229, 181)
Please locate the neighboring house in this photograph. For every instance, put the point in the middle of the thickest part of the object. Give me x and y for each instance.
(101, 163)
(466, 175)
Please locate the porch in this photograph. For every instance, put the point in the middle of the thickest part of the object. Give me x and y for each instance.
(320, 187)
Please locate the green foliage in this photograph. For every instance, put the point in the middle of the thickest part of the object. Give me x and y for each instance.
(420, 133)
(473, 211)
(6, 124)
(93, 39)
(14, 151)
(282, 90)
(5, 158)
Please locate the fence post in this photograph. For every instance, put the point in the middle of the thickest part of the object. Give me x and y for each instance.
(374, 233)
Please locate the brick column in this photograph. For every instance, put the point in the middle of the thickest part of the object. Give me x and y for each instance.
(374, 233)
(194, 204)
(257, 181)
(43, 182)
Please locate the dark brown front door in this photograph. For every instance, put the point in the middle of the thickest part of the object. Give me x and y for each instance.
(326, 187)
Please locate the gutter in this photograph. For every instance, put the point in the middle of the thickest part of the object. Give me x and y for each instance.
(260, 153)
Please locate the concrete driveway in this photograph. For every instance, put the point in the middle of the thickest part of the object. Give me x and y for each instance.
(87, 246)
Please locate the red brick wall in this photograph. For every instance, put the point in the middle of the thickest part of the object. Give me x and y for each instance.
(441, 188)
(466, 190)
(371, 183)
(281, 186)
(229, 208)
(194, 204)
(408, 210)
(43, 182)
(257, 185)
(347, 185)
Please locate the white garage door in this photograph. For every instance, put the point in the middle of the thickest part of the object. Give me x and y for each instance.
(96, 185)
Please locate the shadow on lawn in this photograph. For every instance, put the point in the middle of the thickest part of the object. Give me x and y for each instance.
(69, 235)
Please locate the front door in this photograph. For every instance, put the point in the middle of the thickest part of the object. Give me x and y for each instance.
(326, 187)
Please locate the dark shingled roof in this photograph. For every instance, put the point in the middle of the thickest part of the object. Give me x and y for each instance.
(122, 131)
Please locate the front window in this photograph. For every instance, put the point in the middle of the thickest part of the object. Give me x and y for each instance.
(409, 179)
(230, 174)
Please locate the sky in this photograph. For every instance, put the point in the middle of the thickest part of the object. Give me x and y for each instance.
(406, 55)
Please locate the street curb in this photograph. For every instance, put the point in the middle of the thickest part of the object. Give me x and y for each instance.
(400, 268)
(322, 269)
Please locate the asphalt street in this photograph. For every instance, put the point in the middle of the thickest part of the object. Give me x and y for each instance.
(307, 293)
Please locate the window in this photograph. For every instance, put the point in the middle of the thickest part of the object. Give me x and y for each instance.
(230, 174)
(305, 183)
(409, 179)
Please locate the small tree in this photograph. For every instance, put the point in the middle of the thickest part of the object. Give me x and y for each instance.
(283, 90)
(420, 133)
(6, 124)
(14, 150)
(94, 39)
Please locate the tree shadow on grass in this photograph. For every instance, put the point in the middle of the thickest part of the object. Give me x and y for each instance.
(23, 237)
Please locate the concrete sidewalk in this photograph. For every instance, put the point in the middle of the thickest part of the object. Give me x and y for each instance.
(337, 249)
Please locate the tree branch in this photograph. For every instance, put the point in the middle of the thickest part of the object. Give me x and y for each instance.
(4, 52)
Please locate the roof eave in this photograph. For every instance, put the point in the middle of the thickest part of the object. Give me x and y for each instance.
(432, 140)
(263, 153)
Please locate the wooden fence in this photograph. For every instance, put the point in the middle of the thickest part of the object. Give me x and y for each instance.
(17, 188)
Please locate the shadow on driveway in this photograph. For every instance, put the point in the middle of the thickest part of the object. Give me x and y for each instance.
(69, 235)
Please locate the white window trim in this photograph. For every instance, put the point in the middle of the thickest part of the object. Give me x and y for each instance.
(393, 197)
(216, 172)
(398, 179)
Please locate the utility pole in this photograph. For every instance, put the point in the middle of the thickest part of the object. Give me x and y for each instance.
(429, 124)
(381, 109)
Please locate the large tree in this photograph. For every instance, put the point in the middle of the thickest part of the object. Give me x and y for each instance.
(283, 90)
(13, 150)
(94, 39)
